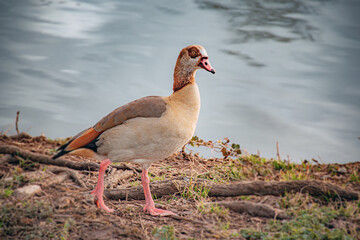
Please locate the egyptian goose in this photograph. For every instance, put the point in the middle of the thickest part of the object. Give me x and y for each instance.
(147, 129)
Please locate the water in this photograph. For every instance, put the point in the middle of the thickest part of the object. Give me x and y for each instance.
(286, 71)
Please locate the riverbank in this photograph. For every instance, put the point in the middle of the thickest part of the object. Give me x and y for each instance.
(44, 199)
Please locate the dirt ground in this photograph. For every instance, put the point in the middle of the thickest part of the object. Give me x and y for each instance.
(62, 206)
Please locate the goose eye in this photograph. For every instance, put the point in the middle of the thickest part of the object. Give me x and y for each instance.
(193, 52)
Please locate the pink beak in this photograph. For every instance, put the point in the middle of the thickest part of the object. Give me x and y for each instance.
(205, 64)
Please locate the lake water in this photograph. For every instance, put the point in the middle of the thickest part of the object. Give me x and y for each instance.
(286, 71)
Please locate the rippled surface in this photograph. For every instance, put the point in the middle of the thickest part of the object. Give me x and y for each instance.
(287, 71)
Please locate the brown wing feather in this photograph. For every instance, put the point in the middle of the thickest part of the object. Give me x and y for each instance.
(152, 106)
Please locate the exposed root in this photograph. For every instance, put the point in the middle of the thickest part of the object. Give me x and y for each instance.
(53, 180)
(262, 188)
(71, 173)
(44, 159)
(253, 209)
(177, 217)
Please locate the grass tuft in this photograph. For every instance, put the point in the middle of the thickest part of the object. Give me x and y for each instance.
(213, 209)
(166, 232)
(195, 191)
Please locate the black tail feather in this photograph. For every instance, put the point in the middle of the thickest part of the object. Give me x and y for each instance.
(59, 154)
(61, 150)
(92, 145)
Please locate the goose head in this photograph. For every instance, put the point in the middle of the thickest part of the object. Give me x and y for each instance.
(191, 58)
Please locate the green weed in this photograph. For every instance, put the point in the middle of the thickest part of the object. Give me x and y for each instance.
(164, 233)
(213, 209)
(245, 198)
(65, 229)
(293, 174)
(282, 165)
(135, 183)
(224, 226)
(7, 192)
(313, 223)
(250, 234)
(355, 176)
(158, 178)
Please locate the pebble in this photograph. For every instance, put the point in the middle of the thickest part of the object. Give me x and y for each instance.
(342, 170)
(26, 191)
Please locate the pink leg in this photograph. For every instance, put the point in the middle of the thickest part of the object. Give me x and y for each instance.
(99, 190)
(149, 202)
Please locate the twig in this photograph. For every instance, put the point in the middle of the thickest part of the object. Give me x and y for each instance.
(71, 173)
(278, 151)
(54, 180)
(16, 122)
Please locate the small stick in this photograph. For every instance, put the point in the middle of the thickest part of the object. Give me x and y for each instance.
(76, 178)
(16, 122)
(278, 151)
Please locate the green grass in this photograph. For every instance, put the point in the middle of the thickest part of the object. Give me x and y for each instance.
(135, 183)
(23, 219)
(251, 234)
(282, 165)
(7, 192)
(255, 167)
(355, 176)
(316, 222)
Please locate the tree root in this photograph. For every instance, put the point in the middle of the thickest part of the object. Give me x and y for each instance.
(54, 180)
(71, 173)
(261, 188)
(44, 159)
(177, 217)
(169, 187)
(253, 209)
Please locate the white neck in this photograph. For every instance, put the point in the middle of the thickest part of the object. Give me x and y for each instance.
(189, 95)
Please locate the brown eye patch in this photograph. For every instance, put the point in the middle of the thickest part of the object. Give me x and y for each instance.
(194, 52)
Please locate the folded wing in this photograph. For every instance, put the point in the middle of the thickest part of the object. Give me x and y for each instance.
(147, 107)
